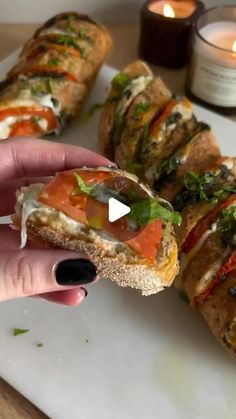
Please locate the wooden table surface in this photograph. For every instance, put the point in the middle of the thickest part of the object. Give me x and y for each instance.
(12, 404)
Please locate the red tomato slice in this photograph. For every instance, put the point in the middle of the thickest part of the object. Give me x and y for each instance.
(60, 48)
(226, 268)
(37, 111)
(59, 194)
(162, 117)
(44, 70)
(203, 225)
(25, 128)
(148, 240)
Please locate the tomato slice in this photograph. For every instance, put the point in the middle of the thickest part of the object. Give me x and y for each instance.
(59, 194)
(60, 48)
(45, 70)
(37, 111)
(25, 128)
(226, 268)
(148, 240)
(162, 117)
(204, 223)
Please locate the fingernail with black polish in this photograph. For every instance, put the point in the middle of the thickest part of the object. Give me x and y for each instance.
(85, 292)
(75, 272)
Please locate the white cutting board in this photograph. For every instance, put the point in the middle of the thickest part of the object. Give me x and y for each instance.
(119, 355)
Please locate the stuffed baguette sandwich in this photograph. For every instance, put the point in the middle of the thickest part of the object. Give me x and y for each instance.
(206, 241)
(54, 74)
(138, 250)
(152, 133)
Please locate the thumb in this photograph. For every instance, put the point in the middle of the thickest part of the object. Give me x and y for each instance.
(30, 272)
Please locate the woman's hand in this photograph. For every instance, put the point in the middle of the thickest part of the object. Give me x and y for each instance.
(34, 270)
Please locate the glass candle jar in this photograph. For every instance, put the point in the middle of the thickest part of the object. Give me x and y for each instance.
(211, 74)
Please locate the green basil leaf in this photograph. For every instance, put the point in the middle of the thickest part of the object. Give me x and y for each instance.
(81, 185)
(16, 331)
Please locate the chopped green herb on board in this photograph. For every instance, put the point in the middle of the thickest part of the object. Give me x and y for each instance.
(39, 345)
(16, 331)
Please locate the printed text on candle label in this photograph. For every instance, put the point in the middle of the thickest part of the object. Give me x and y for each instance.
(214, 84)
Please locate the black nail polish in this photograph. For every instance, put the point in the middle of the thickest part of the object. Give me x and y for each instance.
(75, 272)
(85, 292)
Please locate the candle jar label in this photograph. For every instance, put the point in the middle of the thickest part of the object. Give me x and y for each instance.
(213, 83)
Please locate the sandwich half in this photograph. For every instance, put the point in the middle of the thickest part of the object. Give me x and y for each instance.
(138, 250)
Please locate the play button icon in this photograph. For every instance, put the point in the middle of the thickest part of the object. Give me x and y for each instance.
(116, 210)
(115, 207)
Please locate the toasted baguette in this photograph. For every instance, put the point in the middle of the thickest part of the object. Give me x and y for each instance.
(156, 95)
(201, 151)
(219, 311)
(133, 70)
(192, 213)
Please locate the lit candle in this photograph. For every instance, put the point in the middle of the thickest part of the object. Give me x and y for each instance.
(166, 27)
(211, 76)
(173, 9)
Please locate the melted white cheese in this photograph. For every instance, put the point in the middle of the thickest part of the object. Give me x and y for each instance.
(7, 123)
(48, 101)
(52, 31)
(134, 88)
(185, 259)
(208, 276)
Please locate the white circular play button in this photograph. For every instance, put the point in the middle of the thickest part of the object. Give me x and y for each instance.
(116, 210)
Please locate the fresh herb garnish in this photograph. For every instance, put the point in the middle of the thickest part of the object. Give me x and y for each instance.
(173, 118)
(197, 184)
(91, 111)
(140, 108)
(120, 82)
(36, 120)
(143, 143)
(82, 185)
(16, 331)
(53, 62)
(70, 21)
(70, 42)
(227, 226)
(39, 345)
(117, 129)
(83, 34)
(209, 187)
(145, 210)
(132, 166)
(169, 165)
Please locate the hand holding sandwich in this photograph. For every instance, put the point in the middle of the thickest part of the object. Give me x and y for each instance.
(56, 275)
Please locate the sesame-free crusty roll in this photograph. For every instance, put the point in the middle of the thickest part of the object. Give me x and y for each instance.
(153, 133)
(54, 74)
(207, 247)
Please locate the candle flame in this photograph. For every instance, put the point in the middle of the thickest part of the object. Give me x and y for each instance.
(168, 11)
(234, 46)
